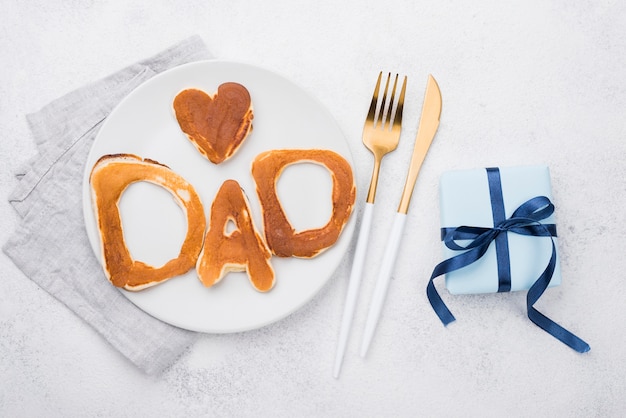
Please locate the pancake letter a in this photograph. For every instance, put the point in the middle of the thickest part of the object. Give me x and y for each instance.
(232, 242)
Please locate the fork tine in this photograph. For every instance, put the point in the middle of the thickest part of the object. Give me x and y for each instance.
(398, 118)
(389, 117)
(372, 112)
(381, 112)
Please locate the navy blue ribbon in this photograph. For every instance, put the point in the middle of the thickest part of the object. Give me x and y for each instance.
(526, 220)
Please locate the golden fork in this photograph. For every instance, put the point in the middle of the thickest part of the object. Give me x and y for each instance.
(381, 134)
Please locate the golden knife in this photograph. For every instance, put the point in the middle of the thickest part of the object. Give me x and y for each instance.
(429, 122)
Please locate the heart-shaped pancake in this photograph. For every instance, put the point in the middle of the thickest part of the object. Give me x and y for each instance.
(216, 125)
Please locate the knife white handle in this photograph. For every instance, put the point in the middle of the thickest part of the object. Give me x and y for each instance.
(353, 285)
(382, 283)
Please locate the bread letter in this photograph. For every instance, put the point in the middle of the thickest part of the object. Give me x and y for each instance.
(232, 242)
(110, 176)
(281, 237)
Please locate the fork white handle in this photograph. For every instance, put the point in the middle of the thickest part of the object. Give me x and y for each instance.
(382, 282)
(353, 286)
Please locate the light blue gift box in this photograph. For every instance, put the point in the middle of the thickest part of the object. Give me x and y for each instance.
(465, 200)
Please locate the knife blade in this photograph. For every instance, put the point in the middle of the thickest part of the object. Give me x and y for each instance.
(429, 122)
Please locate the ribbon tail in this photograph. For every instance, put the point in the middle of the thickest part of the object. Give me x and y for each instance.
(444, 267)
(440, 308)
(542, 321)
(557, 331)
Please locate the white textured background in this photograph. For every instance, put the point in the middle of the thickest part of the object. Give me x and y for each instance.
(522, 83)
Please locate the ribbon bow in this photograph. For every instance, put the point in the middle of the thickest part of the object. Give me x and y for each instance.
(526, 220)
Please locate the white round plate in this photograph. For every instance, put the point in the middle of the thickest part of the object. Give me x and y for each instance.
(154, 226)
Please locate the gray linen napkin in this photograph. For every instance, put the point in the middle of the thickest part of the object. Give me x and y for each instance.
(50, 245)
